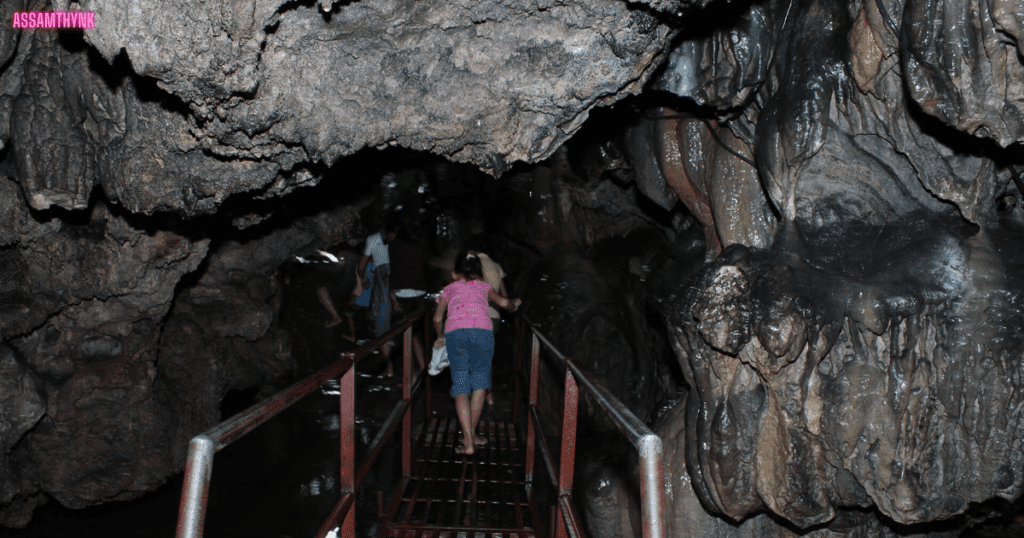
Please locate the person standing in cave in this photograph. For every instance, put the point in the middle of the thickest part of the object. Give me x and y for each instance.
(380, 294)
(468, 335)
(361, 295)
(339, 287)
(495, 276)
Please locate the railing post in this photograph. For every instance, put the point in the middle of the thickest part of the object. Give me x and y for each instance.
(653, 504)
(347, 421)
(531, 433)
(567, 460)
(518, 344)
(428, 349)
(192, 512)
(648, 445)
(407, 396)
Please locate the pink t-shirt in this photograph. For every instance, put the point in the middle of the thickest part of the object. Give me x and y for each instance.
(467, 305)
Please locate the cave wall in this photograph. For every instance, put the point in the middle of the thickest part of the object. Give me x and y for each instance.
(861, 357)
(848, 133)
(81, 314)
(122, 339)
(819, 388)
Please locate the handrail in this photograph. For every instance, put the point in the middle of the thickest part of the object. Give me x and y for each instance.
(646, 442)
(199, 466)
(649, 446)
(632, 427)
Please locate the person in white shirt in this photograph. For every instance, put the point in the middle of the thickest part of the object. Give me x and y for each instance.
(380, 294)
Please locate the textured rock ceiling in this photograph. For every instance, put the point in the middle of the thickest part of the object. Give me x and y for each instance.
(255, 91)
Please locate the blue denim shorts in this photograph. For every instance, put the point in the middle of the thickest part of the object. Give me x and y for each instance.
(469, 355)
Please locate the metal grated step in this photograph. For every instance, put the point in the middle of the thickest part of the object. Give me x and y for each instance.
(448, 495)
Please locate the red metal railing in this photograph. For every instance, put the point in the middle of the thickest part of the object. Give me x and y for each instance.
(652, 479)
(341, 520)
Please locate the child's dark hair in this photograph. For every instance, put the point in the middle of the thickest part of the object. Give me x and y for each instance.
(468, 265)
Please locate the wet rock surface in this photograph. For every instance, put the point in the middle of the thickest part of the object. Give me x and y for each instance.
(834, 136)
(82, 310)
(828, 364)
(122, 340)
(688, 512)
(822, 382)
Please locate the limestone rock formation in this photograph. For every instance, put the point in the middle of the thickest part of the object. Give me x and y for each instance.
(248, 90)
(962, 63)
(121, 342)
(83, 299)
(843, 383)
(829, 365)
(610, 506)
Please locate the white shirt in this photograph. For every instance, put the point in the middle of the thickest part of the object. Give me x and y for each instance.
(375, 247)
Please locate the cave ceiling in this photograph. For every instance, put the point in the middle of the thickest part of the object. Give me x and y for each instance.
(132, 290)
(252, 91)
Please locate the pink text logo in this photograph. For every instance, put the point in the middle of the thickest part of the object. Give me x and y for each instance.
(54, 19)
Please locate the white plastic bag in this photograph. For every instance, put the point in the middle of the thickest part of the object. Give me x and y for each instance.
(439, 361)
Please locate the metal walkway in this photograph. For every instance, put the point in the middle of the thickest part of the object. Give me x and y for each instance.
(490, 494)
(448, 495)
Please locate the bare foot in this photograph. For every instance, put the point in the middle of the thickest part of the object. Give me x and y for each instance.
(332, 322)
(349, 338)
(464, 450)
(490, 398)
(479, 440)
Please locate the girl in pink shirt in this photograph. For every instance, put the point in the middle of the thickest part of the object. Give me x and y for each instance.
(469, 338)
